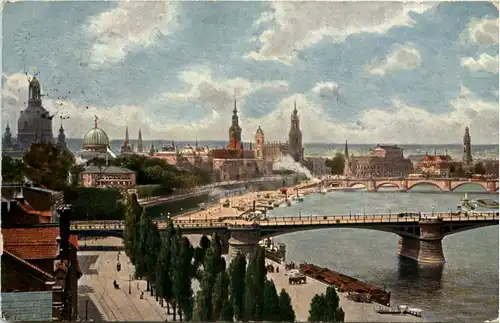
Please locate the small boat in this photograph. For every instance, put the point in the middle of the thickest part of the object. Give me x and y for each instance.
(300, 198)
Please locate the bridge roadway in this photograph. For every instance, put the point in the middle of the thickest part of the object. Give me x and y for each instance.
(420, 234)
(148, 202)
(407, 183)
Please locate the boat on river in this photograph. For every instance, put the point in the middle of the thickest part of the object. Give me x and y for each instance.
(300, 198)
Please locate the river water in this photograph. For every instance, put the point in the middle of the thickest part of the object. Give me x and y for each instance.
(465, 289)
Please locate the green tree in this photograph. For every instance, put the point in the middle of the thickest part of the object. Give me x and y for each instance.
(163, 267)
(175, 262)
(286, 311)
(220, 294)
(140, 246)
(254, 280)
(336, 164)
(227, 314)
(237, 271)
(271, 309)
(333, 311)
(181, 277)
(153, 246)
(12, 170)
(317, 309)
(47, 165)
(132, 217)
(479, 168)
(325, 307)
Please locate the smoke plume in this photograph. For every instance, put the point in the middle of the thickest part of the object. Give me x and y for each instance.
(286, 162)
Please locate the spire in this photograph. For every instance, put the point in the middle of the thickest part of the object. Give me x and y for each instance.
(295, 107)
(126, 134)
(61, 138)
(139, 141)
(346, 151)
(95, 121)
(235, 111)
(196, 145)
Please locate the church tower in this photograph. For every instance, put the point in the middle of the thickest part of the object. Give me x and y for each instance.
(259, 143)
(346, 151)
(61, 138)
(126, 148)
(7, 138)
(139, 142)
(295, 136)
(467, 154)
(235, 131)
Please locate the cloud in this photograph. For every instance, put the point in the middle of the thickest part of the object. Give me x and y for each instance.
(289, 27)
(484, 63)
(327, 90)
(127, 26)
(218, 95)
(400, 57)
(482, 31)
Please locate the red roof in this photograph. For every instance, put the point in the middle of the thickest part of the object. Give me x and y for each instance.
(27, 264)
(34, 243)
(28, 209)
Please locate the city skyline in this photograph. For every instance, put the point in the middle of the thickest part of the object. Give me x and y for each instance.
(354, 74)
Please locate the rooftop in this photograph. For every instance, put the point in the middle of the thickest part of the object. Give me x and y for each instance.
(34, 242)
(106, 170)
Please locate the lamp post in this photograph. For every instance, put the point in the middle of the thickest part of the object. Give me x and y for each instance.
(433, 210)
(389, 211)
(86, 310)
(129, 282)
(300, 213)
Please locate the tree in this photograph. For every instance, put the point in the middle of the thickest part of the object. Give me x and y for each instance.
(153, 245)
(12, 170)
(132, 217)
(333, 311)
(336, 164)
(317, 308)
(271, 309)
(237, 271)
(181, 277)
(325, 307)
(199, 253)
(479, 168)
(227, 314)
(285, 307)
(140, 246)
(254, 280)
(47, 165)
(164, 267)
(220, 294)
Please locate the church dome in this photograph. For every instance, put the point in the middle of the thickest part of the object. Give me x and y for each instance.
(95, 137)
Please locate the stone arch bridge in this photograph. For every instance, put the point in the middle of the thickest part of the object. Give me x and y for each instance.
(406, 184)
(420, 235)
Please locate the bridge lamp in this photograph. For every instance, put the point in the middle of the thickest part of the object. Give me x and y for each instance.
(389, 211)
(433, 210)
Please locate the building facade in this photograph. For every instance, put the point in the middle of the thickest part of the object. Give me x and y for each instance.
(438, 165)
(273, 151)
(107, 177)
(317, 165)
(380, 162)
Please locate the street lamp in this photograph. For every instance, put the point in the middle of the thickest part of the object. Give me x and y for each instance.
(433, 210)
(389, 211)
(129, 282)
(300, 213)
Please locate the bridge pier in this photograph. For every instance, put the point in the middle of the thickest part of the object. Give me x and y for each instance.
(243, 240)
(427, 248)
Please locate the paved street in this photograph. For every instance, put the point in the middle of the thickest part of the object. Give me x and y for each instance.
(103, 301)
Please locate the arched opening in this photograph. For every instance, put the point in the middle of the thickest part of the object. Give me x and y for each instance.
(424, 187)
(469, 188)
(358, 185)
(336, 184)
(390, 187)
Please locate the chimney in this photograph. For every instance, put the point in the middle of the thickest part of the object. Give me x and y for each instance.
(64, 230)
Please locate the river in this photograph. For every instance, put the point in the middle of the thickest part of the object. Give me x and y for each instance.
(465, 289)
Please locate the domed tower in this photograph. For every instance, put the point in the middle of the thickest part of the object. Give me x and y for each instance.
(259, 143)
(35, 122)
(61, 138)
(295, 136)
(95, 142)
(235, 131)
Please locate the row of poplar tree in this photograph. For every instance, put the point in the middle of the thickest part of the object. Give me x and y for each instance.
(242, 292)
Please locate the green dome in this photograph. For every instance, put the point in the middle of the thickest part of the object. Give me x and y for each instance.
(95, 137)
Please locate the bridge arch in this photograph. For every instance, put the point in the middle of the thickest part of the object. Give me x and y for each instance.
(336, 184)
(423, 183)
(484, 185)
(387, 184)
(358, 183)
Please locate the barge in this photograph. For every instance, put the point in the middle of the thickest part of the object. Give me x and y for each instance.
(358, 290)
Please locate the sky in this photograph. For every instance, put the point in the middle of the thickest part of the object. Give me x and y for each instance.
(365, 72)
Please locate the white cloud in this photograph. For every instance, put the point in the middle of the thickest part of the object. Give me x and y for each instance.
(484, 63)
(482, 31)
(218, 95)
(127, 26)
(327, 90)
(400, 57)
(298, 25)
